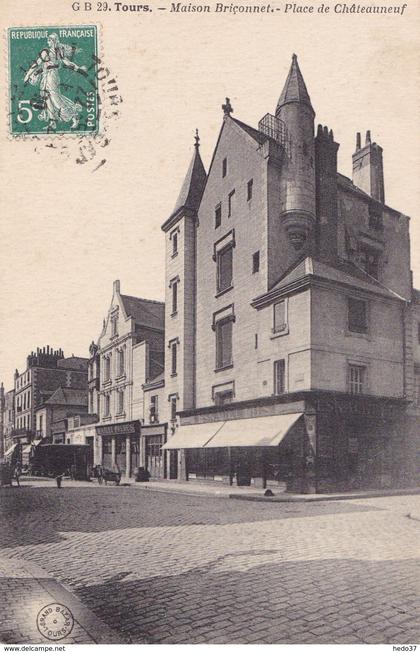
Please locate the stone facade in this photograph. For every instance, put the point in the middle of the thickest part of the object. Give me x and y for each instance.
(318, 309)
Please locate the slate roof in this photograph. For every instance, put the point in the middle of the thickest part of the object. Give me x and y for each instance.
(68, 396)
(193, 186)
(341, 272)
(145, 312)
(295, 88)
(254, 133)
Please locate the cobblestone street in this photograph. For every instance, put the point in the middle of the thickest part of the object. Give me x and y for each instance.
(171, 568)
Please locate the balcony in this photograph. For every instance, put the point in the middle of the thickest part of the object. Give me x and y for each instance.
(274, 128)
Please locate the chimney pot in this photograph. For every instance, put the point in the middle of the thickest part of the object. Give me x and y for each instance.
(358, 141)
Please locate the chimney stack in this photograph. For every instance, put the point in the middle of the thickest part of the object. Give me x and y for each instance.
(368, 170)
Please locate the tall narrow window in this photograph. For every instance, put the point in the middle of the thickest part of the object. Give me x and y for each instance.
(173, 408)
(230, 202)
(114, 325)
(224, 268)
(173, 358)
(174, 243)
(223, 343)
(369, 260)
(279, 377)
(217, 216)
(357, 315)
(120, 399)
(249, 189)
(356, 379)
(107, 368)
(224, 167)
(174, 298)
(256, 262)
(279, 317)
(154, 414)
(107, 403)
(121, 362)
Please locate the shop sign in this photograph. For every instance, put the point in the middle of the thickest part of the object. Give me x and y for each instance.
(128, 428)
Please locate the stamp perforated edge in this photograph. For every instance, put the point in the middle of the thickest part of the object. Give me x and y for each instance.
(7, 81)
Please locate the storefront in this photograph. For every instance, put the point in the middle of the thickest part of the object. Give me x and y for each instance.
(120, 446)
(319, 442)
(155, 459)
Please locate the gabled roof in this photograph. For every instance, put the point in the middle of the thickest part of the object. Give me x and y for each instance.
(68, 396)
(145, 312)
(193, 186)
(341, 272)
(254, 133)
(295, 88)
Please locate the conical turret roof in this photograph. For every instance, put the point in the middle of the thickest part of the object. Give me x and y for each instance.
(194, 182)
(295, 88)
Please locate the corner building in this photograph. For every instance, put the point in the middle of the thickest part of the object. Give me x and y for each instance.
(292, 329)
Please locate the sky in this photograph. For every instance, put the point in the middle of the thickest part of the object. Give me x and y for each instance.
(67, 231)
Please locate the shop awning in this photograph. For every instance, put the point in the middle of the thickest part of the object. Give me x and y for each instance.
(10, 450)
(195, 436)
(260, 431)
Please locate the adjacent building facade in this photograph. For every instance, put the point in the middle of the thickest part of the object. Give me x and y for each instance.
(292, 326)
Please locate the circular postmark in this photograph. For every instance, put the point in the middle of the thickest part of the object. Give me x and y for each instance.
(55, 621)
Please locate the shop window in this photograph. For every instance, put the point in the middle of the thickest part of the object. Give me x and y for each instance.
(223, 343)
(224, 260)
(357, 315)
(106, 445)
(120, 445)
(154, 405)
(224, 167)
(279, 377)
(217, 216)
(279, 317)
(256, 262)
(230, 202)
(356, 379)
(249, 189)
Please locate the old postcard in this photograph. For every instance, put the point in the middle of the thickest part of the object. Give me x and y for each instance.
(209, 323)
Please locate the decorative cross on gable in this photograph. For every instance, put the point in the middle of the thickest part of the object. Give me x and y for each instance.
(227, 108)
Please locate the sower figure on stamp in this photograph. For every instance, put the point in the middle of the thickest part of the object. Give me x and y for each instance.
(45, 71)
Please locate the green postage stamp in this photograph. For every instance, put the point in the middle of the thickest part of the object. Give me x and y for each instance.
(53, 85)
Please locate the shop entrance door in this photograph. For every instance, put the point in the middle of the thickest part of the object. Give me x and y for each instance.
(173, 464)
(154, 456)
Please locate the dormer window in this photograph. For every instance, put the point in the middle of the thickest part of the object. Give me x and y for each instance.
(369, 261)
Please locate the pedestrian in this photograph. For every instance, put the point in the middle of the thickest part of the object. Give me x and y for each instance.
(17, 472)
(59, 479)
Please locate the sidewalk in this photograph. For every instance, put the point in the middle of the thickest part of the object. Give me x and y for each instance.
(25, 589)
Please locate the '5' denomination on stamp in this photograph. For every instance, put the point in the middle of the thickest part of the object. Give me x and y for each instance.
(53, 86)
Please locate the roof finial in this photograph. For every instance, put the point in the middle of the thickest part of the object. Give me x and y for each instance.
(294, 57)
(227, 108)
(197, 140)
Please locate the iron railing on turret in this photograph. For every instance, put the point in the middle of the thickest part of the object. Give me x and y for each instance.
(275, 128)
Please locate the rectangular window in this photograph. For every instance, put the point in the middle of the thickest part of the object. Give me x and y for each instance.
(174, 243)
(154, 404)
(107, 368)
(121, 362)
(174, 298)
(217, 216)
(173, 408)
(357, 375)
(106, 405)
(256, 262)
(249, 189)
(173, 358)
(279, 376)
(120, 399)
(114, 322)
(230, 202)
(369, 261)
(357, 315)
(224, 268)
(223, 343)
(279, 317)
(221, 398)
(256, 341)
(224, 167)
